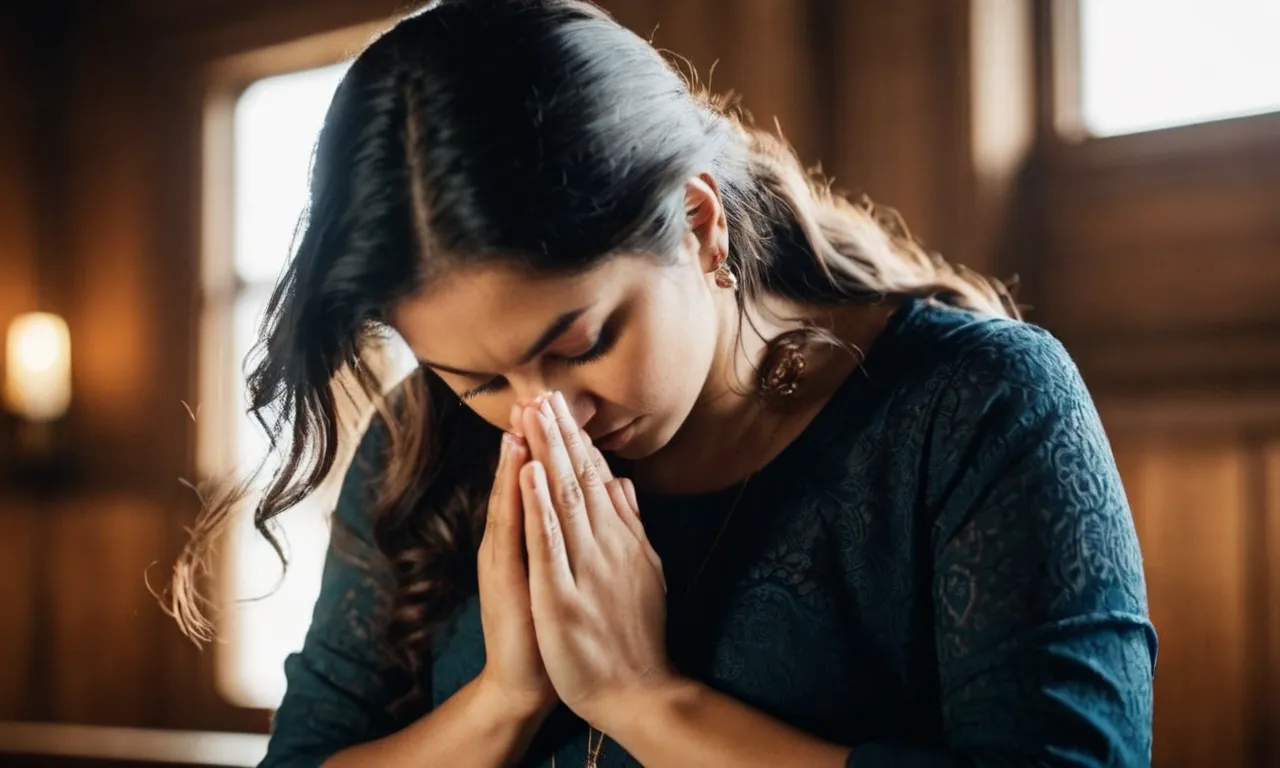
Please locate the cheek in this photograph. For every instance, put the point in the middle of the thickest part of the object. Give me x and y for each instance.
(663, 360)
(495, 409)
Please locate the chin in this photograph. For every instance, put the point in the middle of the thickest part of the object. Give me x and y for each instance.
(632, 452)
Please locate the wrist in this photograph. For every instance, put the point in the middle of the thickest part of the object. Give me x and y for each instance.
(644, 706)
(507, 706)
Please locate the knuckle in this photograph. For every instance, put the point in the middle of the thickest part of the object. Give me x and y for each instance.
(590, 473)
(602, 466)
(551, 526)
(568, 494)
(567, 613)
(554, 439)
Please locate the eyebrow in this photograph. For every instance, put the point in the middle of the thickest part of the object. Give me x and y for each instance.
(554, 331)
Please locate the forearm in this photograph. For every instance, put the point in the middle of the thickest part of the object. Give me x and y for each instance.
(475, 726)
(685, 723)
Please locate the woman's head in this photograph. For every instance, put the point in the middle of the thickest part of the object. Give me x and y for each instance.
(629, 341)
(534, 199)
(492, 169)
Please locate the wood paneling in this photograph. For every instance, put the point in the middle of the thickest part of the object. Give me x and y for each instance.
(18, 225)
(18, 546)
(104, 637)
(933, 113)
(1191, 506)
(1170, 242)
(766, 52)
(1269, 680)
(123, 430)
(1160, 255)
(900, 92)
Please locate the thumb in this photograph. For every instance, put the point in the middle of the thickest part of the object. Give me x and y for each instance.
(506, 515)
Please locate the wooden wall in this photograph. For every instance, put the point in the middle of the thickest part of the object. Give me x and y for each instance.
(1153, 257)
(1158, 263)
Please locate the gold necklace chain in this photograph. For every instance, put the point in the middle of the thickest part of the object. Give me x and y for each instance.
(593, 753)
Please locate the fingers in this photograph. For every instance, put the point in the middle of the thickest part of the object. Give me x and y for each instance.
(629, 488)
(629, 511)
(597, 458)
(504, 515)
(583, 464)
(568, 493)
(496, 492)
(548, 559)
(626, 512)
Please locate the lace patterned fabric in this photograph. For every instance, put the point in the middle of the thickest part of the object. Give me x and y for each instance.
(942, 570)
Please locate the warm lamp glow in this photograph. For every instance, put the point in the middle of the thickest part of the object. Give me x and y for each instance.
(38, 380)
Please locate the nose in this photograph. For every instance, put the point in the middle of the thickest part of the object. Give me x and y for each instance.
(581, 404)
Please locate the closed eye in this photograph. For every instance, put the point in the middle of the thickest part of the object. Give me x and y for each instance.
(604, 344)
(489, 387)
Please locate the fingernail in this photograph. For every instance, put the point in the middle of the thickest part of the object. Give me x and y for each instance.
(545, 410)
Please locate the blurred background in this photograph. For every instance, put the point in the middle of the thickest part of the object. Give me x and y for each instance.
(1120, 157)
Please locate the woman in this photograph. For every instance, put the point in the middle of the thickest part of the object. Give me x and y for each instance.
(869, 517)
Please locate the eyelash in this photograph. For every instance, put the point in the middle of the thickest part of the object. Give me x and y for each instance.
(604, 343)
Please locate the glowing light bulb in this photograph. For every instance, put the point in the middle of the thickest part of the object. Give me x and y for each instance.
(38, 380)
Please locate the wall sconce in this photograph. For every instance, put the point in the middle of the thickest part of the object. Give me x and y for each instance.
(38, 385)
(37, 388)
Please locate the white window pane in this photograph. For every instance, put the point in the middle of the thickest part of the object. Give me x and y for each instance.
(276, 124)
(249, 439)
(266, 617)
(1148, 64)
(267, 612)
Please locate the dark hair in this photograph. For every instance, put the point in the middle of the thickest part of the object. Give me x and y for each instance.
(543, 132)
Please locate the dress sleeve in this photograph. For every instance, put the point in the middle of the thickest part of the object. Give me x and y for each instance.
(1045, 651)
(341, 683)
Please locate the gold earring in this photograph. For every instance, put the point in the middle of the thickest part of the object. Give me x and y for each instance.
(724, 276)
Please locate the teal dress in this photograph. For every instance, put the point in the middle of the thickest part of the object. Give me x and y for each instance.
(942, 570)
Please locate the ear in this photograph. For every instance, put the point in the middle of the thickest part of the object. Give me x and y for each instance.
(704, 213)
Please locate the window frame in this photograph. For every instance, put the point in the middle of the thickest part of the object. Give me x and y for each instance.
(1071, 146)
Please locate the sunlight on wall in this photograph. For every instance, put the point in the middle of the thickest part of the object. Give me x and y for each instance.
(1149, 64)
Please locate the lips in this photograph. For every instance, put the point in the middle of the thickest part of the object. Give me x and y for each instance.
(614, 438)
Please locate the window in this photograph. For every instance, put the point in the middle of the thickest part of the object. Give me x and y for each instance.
(269, 133)
(1150, 64)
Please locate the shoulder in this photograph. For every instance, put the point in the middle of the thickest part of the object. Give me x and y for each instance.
(359, 481)
(353, 539)
(967, 359)
(990, 394)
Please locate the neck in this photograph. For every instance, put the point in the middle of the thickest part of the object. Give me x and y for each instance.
(731, 432)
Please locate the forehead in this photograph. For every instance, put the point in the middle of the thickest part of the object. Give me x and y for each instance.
(474, 317)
